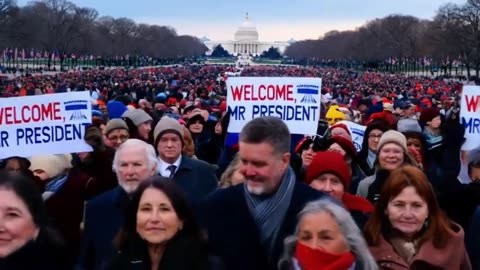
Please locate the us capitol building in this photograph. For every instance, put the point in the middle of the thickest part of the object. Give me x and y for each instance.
(246, 42)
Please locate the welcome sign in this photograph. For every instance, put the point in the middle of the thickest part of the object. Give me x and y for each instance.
(294, 100)
(44, 124)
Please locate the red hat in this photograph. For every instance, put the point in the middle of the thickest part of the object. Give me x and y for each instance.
(428, 114)
(329, 162)
(223, 106)
(345, 143)
(340, 125)
(183, 103)
(171, 101)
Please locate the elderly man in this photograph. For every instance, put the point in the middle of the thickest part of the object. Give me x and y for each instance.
(197, 178)
(247, 223)
(134, 162)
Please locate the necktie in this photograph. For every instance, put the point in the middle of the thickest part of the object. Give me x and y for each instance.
(172, 169)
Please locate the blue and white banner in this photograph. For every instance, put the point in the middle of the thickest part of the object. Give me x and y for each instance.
(44, 124)
(294, 100)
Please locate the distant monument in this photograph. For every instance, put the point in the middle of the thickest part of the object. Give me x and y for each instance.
(245, 42)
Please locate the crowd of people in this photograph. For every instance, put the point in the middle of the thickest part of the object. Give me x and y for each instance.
(167, 187)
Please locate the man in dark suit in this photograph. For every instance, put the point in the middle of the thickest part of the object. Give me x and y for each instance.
(197, 178)
(473, 240)
(134, 162)
(248, 223)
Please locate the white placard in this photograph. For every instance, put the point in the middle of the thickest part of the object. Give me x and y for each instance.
(470, 116)
(357, 131)
(294, 100)
(44, 124)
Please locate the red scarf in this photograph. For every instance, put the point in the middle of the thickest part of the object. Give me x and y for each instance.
(315, 259)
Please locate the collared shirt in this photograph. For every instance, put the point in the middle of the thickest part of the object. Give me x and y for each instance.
(163, 166)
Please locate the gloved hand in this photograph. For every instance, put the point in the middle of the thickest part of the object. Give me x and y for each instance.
(94, 137)
(376, 187)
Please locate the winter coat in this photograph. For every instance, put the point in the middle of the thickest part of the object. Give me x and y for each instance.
(65, 209)
(452, 257)
(42, 254)
(233, 234)
(181, 253)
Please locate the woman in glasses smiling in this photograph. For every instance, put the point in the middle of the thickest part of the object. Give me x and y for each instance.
(116, 133)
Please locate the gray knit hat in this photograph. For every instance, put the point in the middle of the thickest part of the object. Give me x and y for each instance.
(138, 116)
(408, 125)
(114, 124)
(393, 136)
(167, 125)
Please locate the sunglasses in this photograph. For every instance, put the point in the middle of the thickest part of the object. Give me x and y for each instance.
(311, 144)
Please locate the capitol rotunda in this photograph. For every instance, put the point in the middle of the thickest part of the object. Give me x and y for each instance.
(245, 42)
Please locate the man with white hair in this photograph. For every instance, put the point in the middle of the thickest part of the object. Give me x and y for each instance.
(134, 162)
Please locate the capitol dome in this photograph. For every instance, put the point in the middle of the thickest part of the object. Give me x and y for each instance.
(246, 32)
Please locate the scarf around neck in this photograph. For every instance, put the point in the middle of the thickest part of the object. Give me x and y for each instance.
(315, 259)
(268, 213)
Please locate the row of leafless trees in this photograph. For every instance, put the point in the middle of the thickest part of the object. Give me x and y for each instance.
(452, 35)
(60, 25)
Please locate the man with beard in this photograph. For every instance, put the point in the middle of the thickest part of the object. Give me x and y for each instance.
(134, 162)
(247, 223)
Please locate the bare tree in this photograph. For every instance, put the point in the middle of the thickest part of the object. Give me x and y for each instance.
(61, 26)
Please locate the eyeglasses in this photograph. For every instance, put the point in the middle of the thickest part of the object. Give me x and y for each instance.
(116, 138)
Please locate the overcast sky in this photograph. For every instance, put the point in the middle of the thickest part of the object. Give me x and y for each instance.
(276, 20)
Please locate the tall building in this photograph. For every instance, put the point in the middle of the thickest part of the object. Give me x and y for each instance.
(245, 41)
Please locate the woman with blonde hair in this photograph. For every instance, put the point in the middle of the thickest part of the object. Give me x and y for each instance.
(189, 145)
(231, 176)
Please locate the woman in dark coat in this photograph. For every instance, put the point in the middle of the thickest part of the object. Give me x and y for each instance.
(366, 157)
(160, 231)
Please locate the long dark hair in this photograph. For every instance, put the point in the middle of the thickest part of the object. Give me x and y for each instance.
(24, 187)
(129, 235)
(29, 193)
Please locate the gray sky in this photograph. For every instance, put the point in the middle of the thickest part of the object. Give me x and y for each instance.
(276, 20)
